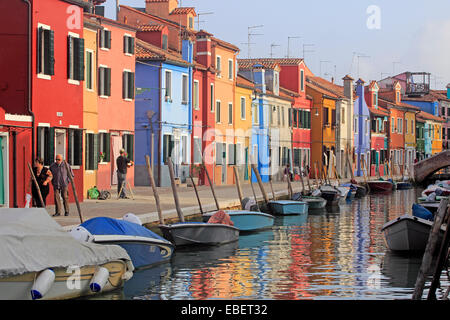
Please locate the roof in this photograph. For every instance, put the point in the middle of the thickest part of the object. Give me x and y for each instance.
(320, 90)
(184, 10)
(378, 111)
(101, 19)
(428, 116)
(243, 82)
(268, 63)
(432, 96)
(165, 21)
(151, 27)
(225, 44)
(337, 90)
(384, 97)
(147, 51)
(289, 92)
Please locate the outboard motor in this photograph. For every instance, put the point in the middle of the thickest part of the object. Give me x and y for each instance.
(247, 203)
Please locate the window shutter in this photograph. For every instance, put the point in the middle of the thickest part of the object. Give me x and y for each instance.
(96, 152)
(101, 81)
(50, 146)
(86, 153)
(125, 44)
(131, 45)
(78, 147)
(131, 147)
(39, 50)
(79, 61)
(125, 85)
(107, 88)
(107, 147)
(49, 67)
(70, 149)
(131, 85)
(69, 57)
(108, 39)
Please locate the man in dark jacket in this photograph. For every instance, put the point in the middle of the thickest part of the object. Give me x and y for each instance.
(122, 165)
(60, 183)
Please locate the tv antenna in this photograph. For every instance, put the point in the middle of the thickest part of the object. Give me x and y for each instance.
(271, 48)
(252, 34)
(289, 40)
(198, 18)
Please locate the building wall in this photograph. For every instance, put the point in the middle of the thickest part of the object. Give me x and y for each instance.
(429, 107)
(436, 142)
(362, 130)
(90, 103)
(410, 137)
(116, 114)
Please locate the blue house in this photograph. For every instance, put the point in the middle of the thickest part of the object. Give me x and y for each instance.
(163, 111)
(361, 127)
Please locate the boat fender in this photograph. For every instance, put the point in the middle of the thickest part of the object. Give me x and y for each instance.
(42, 284)
(130, 217)
(81, 234)
(99, 279)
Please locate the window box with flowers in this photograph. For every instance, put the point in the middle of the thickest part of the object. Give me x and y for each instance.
(101, 157)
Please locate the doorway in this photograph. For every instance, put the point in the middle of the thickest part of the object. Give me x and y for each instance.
(60, 143)
(116, 141)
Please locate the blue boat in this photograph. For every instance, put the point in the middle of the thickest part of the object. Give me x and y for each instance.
(421, 212)
(246, 220)
(404, 185)
(144, 247)
(288, 207)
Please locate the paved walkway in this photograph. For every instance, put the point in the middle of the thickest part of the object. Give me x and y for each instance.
(143, 204)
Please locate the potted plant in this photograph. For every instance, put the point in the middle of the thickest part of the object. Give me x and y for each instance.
(102, 156)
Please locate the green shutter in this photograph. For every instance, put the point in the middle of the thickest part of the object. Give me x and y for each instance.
(69, 56)
(49, 67)
(108, 39)
(131, 85)
(132, 45)
(131, 147)
(86, 153)
(107, 89)
(70, 150)
(79, 59)
(78, 147)
(96, 152)
(124, 85)
(125, 44)
(49, 146)
(39, 50)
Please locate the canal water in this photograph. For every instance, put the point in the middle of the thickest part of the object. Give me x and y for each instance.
(329, 254)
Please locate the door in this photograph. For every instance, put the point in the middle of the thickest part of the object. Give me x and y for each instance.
(224, 163)
(116, 142)
(60, 143)
(246, 164)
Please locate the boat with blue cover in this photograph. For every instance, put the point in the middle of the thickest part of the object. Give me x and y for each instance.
(246, 220)
(422, 212)
(145, 247)
(288, 207)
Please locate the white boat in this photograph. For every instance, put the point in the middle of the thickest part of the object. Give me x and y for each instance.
(40, 260)
(343, 192)
(409, 234)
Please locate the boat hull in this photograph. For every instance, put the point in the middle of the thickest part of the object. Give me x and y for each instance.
(199, 233)
(380, 186)
(288, 207)
(360, 191)
(403, 185)
(315, 202)
(409, 234)
(144, 252)
(65, 285)
(331, 197)
(246, 220)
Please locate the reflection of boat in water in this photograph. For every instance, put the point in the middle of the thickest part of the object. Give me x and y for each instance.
(186, 257)
(333, 209)
(296, 220)
(401, 270)
(146, 282)
(255, 240)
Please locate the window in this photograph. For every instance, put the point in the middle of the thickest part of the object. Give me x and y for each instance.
(212, 97)
(271, 113)
(333, 117)
(75, 58)
(191, 23)
(278, 115)
(412, 126)
(45, 51)
(221, 154)
(219, 66)
(231, 154)
(355, 124)
(184, 150)
(168, 79)
(367, 126)
(128, 85)
(242, 108)
(295, 117)
(375, 99)
(168, 144)
(89, 69)
(255, 113)
(75, 148)
(230, 69)
(400, 125)
(128, 145)
(197, 150)
(45, 142)
(104, 141)
(443, 112)
(165, 42)
(282, 117)
(343, 115)
(230, 113)
(195, 97)
(325, 116)
(218, 111)
(104, 83)
(406, 125)
(91, 152)
(398, 96)
(302, 80)
(128, 44)
(105, 39)
(392, 125)
(184, 89)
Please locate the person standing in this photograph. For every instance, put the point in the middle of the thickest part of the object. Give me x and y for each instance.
(122, 164)
(60, 183)
(43, 177)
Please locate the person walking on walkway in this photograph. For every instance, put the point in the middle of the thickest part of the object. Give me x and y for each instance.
(122, 164)
(43, 177)
(60, 183)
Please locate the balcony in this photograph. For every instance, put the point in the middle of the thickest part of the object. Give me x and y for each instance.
(417, 83)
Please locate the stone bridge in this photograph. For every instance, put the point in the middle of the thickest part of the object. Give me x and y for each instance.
(427, 167)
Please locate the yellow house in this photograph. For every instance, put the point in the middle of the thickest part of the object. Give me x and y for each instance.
(243, 125)
(436, 136)
(90, 98)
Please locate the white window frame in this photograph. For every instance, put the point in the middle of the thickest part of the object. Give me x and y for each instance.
(243, 110)
(230, 104)
(219, 66)
(184, 88)
(129, 36)
(129, 71)
(212, 100)
(103, 66)
(166, 96)
(230, 74)
(196, 95)
(43, 75)
(218, 111)
(90, 51)
(100, 44)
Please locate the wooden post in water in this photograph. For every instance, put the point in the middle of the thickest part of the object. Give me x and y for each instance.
(290, 192)
(155, 190)
(307, 180)
(271, 188)
(238, 185)
(174, 190)
(316, 174)
(301, 179)
(196, 194)
(441, 260)
(261, 186)
(350, 166)
(254, 194)
(209, 179)
(429, 250)
(74, 190)
(36, 185)
(362, 165)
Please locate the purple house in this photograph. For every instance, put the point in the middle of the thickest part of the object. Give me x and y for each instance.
(361, 127)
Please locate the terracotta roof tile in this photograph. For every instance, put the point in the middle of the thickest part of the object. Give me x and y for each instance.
(337, 90)
(184, 10)
(151, 27)
(268, 63)
(428, 116)
(147, 51)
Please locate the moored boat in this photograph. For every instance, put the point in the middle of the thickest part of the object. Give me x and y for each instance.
(246, 220)
(409, 234)
(40, 260)
(421, 212)
(331, 194)
(288, 207)
(380, 186)
(313, 202)
(145, 247)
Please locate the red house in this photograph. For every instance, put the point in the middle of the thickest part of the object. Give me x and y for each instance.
(44, 67)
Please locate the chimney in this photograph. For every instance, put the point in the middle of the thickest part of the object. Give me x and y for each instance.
(160, 8)
(187, 49)
(203, 52)
(259, 76)
(448, 91)
(332, 80)
(348, 87)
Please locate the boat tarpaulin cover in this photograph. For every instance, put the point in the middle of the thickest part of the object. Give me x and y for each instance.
(221, 217)
(110, 226)
(31, 241)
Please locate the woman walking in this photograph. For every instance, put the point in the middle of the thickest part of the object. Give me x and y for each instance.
(43, 176)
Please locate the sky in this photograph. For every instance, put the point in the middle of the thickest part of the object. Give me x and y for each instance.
(368, 39)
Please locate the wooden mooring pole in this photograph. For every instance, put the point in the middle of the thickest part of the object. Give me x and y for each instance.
(261, 186)
(74, 189)
(36, 185)
(174, 190)
(238, 185)
(429, 250)
(155, 190)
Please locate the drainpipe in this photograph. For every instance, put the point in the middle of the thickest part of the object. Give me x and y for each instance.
(30, 79)
(14, 137)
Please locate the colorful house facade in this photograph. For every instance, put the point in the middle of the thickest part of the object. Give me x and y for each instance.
(361, 127)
